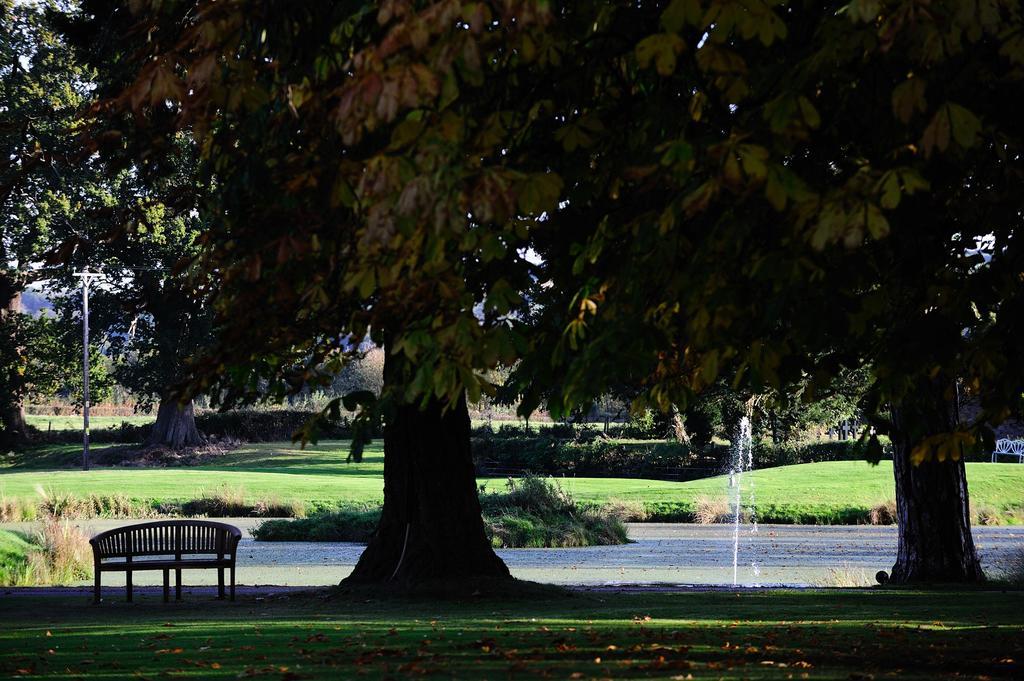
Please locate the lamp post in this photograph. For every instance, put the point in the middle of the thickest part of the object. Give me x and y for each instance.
(86, 276)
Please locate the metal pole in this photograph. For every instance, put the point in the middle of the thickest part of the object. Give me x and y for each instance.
(85, 372)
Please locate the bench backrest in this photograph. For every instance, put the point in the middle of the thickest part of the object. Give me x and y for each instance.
(167, 537)
(1006, 446)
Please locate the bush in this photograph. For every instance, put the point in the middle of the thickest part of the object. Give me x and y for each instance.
(708, 510)
(356, 525)
(883, 513)
(250, 425)
(228, 502)
(548, 455)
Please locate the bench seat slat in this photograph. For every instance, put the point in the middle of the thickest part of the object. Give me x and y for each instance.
(122, 566)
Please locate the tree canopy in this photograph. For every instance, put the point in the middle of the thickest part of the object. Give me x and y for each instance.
(656, 194)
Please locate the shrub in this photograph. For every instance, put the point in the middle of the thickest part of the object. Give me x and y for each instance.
(250, 425)
(883, 513)
(253, 425)
(227, 502)
(356, 525)
(537, 512)
(708, 510)
(13, 510)
(64, 555)
(627, 511)
(58, 553)
(986, 515)
(548, 455)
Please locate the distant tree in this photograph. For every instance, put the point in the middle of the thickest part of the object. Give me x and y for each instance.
(42, 88)
(149, 306)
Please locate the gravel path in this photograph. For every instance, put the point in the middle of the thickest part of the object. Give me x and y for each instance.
(660, 553)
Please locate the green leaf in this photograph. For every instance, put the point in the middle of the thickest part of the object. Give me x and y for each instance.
(878, 226)
(539, 193)
(936, 135)
(679, 13)
(890, 186)
(908, 97)
(661, 48)
(964, 125)
(864, 11)
(809, 113)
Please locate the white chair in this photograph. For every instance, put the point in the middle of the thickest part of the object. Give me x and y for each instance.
(1007, 447)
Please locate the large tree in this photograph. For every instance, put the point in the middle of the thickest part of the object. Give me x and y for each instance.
(769, 190)
(796, 195)
(147, 308)
(42, 88)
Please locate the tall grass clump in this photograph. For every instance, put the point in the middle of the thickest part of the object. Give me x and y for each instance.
(228, 502)
(56, 554)
(349, 524)
(537, 512)
(14, 510)
(883, 513)
(708, 510)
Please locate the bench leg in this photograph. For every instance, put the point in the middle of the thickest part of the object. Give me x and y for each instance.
(232, 582)
(220, 584)
(96, 588)
(177, 585)
(128, 584)
(167, 585)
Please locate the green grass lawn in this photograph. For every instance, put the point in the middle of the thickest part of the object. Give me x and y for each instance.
(819, 492)
(74, 422)
(729, 635)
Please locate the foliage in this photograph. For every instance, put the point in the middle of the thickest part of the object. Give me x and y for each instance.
(41, 179)
(550, 455)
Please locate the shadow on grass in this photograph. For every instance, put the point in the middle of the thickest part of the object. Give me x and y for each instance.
(330, 634)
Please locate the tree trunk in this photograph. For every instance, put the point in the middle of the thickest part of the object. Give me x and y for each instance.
(13, 429)
(679, 427)
(932, 510)
(175, 426)
(430, 528)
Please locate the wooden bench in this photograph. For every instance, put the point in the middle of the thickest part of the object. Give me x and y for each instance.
(166, 545)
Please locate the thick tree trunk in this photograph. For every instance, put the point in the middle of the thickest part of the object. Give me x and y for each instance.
(175, 426)
(932, 510)
(14, 428)
(430, 529)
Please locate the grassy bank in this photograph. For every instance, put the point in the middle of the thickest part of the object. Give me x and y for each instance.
(318, 477)
(752, 635)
